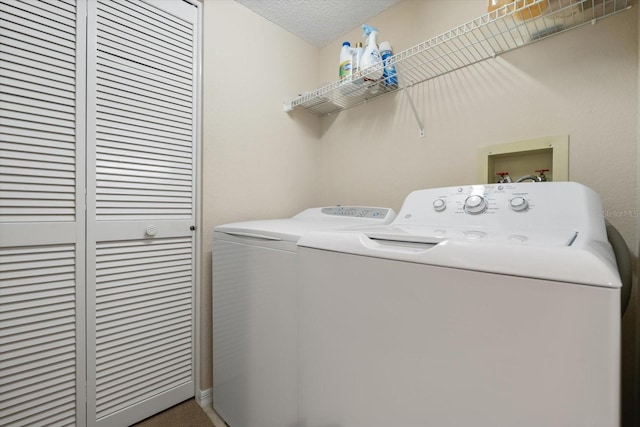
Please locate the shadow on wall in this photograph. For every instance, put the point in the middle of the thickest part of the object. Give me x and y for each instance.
(627, 264)
(630, 363)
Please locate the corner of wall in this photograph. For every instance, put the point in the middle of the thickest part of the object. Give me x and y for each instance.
(636, 415)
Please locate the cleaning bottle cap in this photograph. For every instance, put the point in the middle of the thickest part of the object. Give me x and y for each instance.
(385, 46)
(346, 44)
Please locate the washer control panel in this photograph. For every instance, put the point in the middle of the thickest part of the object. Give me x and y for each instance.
(357, 212)
(523, 205)
(529, 213)
(482, 199)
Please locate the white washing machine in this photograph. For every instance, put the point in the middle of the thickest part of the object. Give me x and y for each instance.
(255, 326)
(478, 306)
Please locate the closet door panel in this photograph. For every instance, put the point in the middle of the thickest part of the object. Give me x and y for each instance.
(42, 181)
(141, 207)
(37, 320)
(143, 320)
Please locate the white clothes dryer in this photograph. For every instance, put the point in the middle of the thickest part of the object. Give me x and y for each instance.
(478, 306)
(255, 326)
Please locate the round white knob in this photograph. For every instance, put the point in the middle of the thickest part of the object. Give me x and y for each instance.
(151, 230)
(439, 205)
(475, 204)
(518, 204)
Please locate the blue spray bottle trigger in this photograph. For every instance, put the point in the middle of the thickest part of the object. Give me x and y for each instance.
(368, 29)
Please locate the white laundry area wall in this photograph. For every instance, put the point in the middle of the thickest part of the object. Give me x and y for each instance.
(259, 162)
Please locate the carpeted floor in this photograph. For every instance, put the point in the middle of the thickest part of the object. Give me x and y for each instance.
(185, 414)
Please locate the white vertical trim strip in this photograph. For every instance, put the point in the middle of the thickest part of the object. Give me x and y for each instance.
(81, 217)
(91, 73)
(197, 191)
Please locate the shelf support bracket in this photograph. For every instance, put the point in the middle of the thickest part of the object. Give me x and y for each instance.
(415, 112)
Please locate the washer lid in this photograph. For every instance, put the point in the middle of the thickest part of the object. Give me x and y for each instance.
(589, 263)
(434, 234)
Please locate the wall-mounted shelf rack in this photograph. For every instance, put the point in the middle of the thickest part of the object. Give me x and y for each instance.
(485, 37)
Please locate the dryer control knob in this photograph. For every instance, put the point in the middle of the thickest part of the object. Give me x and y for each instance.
(475, 204)
(439, 205)
(518, 204)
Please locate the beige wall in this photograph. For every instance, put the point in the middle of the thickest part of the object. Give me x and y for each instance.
(257, 161)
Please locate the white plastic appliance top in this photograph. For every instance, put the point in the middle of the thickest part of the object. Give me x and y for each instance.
(549, 230)
(313, 219)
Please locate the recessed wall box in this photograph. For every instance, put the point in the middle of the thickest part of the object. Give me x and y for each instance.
(524, 158)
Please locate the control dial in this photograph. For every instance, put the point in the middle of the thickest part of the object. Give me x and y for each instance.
(475, 204)
(439, 205)
(518, 204)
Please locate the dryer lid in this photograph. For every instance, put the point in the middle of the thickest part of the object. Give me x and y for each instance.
(313, 219)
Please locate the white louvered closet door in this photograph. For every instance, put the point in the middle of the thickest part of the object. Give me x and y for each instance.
(42, 116)
(141, 207)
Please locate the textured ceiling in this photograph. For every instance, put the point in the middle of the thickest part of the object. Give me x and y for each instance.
(318, 21)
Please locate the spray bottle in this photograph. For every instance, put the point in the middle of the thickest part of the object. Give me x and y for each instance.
(371, 54)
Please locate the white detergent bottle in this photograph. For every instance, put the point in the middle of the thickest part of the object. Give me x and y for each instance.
(346, 58)
(371, 55)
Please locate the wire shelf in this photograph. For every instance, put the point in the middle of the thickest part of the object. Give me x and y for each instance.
(492, 34)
